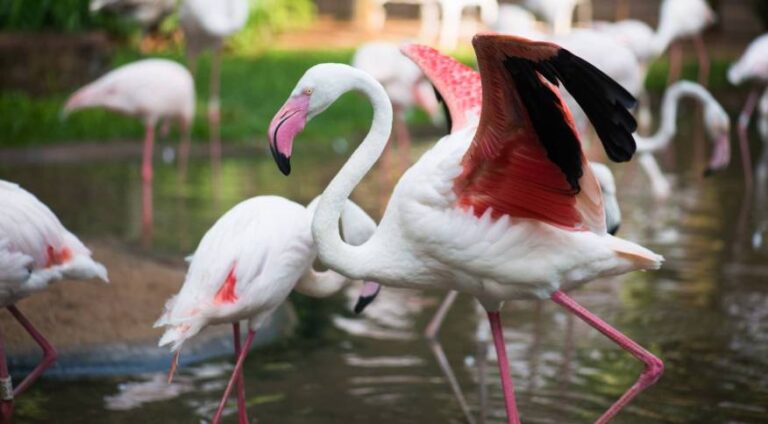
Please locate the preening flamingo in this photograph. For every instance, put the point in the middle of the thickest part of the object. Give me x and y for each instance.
(35, 251)
(716, 122)
(751, 67)
(206, 24)
(245, 267)
(405, 84)
(149, 89)
(505, 207)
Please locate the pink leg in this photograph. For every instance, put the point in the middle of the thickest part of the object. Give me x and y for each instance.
(6, 387)
(437, 321)
(653, 365)
(49, 353)
(744, 118)
(146, 160)
(146, 214)
(704, 64)
(184, 146)
(506, 379)
(242, 413)
(675, 62)
(238, 369)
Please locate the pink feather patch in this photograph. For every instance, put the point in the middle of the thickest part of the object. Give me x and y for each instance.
(226, 293)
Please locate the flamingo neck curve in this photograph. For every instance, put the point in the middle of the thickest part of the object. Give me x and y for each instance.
(332, 250)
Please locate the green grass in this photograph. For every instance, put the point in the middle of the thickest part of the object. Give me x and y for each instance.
(253, 89)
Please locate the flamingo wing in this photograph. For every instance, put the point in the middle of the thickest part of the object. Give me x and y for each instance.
(526, 159)
(457, 85)
(14, 266)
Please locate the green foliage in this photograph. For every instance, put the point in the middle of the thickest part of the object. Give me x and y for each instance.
(270, 17)
(57, 16)
(253, 89)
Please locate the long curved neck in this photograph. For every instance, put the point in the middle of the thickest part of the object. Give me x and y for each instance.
(333, 251)
(669, 105)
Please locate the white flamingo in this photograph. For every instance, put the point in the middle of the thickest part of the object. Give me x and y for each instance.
(35, 251)
(405, 84)
(246, 266)
(149, 89)
(559, 14)
(504, 208)
(752, 67)
(206, 24)
(679, 20)
(716, 122)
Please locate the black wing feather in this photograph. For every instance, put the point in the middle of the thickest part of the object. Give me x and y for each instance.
(446, 112)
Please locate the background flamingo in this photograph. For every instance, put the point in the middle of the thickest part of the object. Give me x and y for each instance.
(682, 19)
(716, 122)
(751, 67)
(405, 84)
(463, 218)
(245, 267)
(206, 24)
(559, 14)
(35, 251)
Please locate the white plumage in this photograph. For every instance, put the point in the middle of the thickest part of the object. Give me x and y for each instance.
(206, 23)
(35, 249)
(753, 64)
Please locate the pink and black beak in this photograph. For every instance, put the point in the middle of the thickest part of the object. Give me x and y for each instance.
(367, 295)
(287, 123)
(721, 155)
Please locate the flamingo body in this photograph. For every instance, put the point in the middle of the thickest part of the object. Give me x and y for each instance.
(149, 89)
(35, 248)
(753, 64)
(682, 19)
(206, 23)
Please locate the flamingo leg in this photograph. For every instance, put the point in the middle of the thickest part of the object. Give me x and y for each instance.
(238, 369)
(437, 321)
(654, 367)
(146, 159)
(49, 353)
(675, 63)
(744, 118)
(214, 114)
(184, 147)
(242, 412)
(437, 349)
(703, 56)
(6, 386)
(494, 318)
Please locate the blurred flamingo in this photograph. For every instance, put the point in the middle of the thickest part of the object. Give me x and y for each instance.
(245, 267)
(717, 124)
(406, 86)
(681, 19)
(151, 90)
(467, 216)
(206, 24)
(559, 13)
(751, 67)
(35, 251)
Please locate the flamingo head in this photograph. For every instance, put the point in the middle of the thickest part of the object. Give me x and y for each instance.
(368, 294)
(718, 125)
(320, 86)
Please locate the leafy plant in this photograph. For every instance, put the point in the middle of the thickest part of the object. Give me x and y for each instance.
(56, 16)
(270, 17)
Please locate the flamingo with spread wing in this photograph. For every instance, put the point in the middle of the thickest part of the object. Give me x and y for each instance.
(503, 208)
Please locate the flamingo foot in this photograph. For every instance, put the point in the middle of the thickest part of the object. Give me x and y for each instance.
(49, 353)
(654, 367)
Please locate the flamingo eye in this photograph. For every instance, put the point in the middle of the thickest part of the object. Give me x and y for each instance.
(308, 91)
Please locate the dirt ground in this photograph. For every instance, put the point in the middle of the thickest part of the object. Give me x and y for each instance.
(74, 315)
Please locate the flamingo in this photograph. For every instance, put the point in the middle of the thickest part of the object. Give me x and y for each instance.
(559, 13)
(148, 89)
(503, 208)
(751, 67)
(206, 24)
(680, 19)
(405, 85)
(35, 251)
(245, 266)
(716, 121)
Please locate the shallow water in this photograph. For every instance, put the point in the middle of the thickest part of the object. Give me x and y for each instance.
(705, 313)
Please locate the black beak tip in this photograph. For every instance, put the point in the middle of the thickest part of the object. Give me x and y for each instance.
(364, 301)
(283, 161)
(613, 230)
(709, 172)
